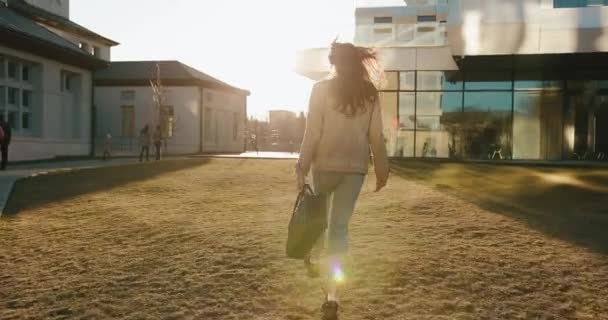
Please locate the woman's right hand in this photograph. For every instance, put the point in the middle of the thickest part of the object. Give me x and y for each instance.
(381, 181)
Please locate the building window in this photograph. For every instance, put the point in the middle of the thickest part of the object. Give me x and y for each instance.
(425, 29)
(437, 124)
(25, 120)
(487, 125)
(12, 96)
(578, 3)
(383, 19)
(2, 68)
(383, 30)
(429, 18)
(66, 81)
(486, 80)
(97, 51)
(407, 80)
(438, 80)
(25, 73)
(12, 70)
(537, 125)
(391, 80)
(127, 95)
(128, 121)
(13, 119)
(26, 98)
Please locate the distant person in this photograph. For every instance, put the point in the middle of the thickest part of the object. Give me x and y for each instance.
(5, 141)
(254, 142)
(344, 123)
(158, 139)
(107, 147)
(145, 140)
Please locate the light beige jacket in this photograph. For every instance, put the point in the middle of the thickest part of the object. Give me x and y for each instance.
(339, 143)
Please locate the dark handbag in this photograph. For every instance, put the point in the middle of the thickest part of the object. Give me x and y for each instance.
(308, 221)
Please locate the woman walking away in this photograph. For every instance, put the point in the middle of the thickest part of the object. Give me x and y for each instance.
(344, 123)
(158, 138)
(145, 140)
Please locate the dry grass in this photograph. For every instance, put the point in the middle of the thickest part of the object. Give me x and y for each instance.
(205, 240)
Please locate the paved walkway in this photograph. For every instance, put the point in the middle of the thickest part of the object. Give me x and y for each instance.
(255, 155)
(19, 171)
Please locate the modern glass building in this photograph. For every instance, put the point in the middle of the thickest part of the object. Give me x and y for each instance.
(500, 107)
(512, 80)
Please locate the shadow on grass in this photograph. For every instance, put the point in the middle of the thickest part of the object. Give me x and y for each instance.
(39, 190)
(567, 203)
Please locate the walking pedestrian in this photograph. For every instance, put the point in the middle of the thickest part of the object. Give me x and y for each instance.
(107, 147)
(344, 123)
(5, 141)
(158, 139)
(145, 140)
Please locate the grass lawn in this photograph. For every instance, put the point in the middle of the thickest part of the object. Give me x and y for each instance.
(204, 239)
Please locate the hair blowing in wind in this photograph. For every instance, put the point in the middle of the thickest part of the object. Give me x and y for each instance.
(356, 78)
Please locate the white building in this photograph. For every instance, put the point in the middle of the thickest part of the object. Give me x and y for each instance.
(46, 89)
(200, 113)
(517, 79)
(419, 23)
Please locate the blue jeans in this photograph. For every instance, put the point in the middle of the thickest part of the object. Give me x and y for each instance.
(343, 190)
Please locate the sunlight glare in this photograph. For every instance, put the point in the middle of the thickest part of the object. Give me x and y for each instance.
(338, 274)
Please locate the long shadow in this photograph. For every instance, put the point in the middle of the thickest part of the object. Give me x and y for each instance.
(37, 191)
(576, 212)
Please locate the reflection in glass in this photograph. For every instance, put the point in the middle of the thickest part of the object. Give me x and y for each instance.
(537, 126)
(488, 81)
(534, 80)
(405, 144)
(487, 131)
(438, 80)
(407, 115)
(438, 124)
(407, 80)
(388, 102)
(407, 110)
(390, 81)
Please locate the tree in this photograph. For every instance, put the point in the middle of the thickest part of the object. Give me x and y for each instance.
(158, 93)
(164, 115)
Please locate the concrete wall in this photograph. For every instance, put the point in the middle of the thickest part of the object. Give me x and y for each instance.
(185, 102)
(489, 27)
(61, 120)
(223, 121)
(60, 7)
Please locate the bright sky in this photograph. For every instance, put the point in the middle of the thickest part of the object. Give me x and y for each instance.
(249, 44)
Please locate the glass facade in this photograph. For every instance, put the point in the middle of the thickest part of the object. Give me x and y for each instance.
(493, 115)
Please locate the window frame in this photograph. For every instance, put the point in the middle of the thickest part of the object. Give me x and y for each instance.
(383, 20)
(425, 18)
(10, 63)
(123, 110)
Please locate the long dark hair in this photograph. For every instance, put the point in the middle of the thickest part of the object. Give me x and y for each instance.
(356, 77)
